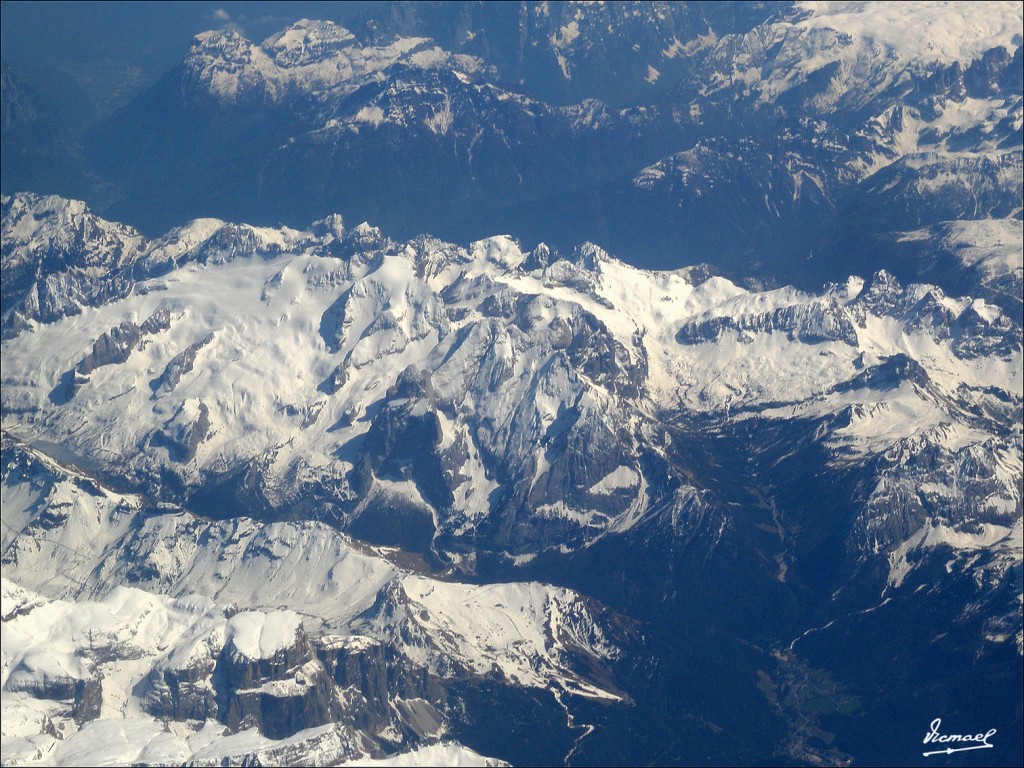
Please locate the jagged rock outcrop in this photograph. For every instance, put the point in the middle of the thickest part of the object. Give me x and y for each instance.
(179, 366)
(808, 323)
(183, 433)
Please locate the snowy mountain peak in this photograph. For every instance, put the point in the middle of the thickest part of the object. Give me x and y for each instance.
(47, 224)
(835, 56)
(306, 42)
(311, 58)
(231, 67)
(55, 254)
(920, 33)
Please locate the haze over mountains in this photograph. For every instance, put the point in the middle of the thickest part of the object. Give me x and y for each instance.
(713, 456)
(664, 132)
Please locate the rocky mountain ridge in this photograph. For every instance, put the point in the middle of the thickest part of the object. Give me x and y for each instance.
(500, 418)
(715, 459)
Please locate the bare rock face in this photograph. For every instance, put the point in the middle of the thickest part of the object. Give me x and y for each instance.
(404, 438)
(182, 434)
(372, 677)
(335, 381)
(281, 707)
(184, 693)
(332, 324)
(84, 694)
(364, 686)
(59, 295)
(88, 700)
(283, 693)
(359, 666)
(111, 348)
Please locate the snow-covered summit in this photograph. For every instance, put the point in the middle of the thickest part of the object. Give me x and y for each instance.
(920, 33)
(842, 55)
(49, 233)
(306, 42)
(316, 59)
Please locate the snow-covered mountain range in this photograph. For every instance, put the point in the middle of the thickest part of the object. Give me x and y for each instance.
(303, 463)
(471, 413)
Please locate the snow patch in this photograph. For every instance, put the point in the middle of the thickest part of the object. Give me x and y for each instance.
(618, 479)
(262, 635)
